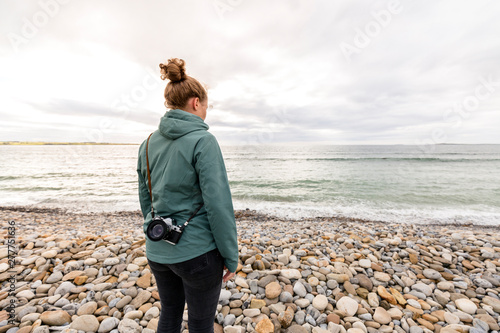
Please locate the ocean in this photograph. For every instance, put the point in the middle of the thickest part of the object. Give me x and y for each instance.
(388, 183)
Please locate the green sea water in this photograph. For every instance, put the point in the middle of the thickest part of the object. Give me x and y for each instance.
(399, 183)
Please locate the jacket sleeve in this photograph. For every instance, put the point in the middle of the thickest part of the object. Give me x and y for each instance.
(144, 198)
(214, 186)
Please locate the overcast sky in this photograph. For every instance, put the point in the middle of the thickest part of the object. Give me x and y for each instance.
(334, 72)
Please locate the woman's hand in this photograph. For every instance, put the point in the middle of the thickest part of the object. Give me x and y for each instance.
(228, 276)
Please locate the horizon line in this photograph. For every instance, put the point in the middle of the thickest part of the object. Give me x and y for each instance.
(40, 143)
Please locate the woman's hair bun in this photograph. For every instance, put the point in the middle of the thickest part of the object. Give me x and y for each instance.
(174, 70)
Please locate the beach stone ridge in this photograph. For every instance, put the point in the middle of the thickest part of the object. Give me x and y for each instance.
(89, 272)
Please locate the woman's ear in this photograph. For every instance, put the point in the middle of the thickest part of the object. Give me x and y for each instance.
(196, 103)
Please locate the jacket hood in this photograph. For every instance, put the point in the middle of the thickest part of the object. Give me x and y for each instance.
(177, 123)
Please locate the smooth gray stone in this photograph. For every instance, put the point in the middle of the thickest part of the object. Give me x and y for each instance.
(299, 289)
(479, 324)
(320, 290)
(113, 302)
(483, 283)
(476, 330)
(254, 288)
(286, 297)
(263, 282)
(300, 317)
(229, 320)
(416, 329)
(418, 294)
(310, 320)
(365, 316)
(25, 311)
(236, 296)
(61, 302)
(313, 312)
(321, 319)
(64, 288)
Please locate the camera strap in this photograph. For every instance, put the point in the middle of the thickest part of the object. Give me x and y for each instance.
(149, 178)
(189, 219)
(151, 192)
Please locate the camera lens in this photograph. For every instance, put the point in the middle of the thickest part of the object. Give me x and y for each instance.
(157, 230)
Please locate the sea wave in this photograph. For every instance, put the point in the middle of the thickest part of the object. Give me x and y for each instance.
(480, 216)
(295, 210)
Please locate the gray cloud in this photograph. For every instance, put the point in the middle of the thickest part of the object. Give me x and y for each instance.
(78, 108)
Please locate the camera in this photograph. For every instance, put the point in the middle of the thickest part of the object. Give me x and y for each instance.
(164, 228)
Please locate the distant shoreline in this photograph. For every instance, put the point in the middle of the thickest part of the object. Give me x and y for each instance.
(34, 143)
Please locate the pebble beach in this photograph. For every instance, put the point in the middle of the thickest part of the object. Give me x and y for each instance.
(74, 273)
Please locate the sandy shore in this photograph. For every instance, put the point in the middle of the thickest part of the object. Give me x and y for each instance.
(88, 272)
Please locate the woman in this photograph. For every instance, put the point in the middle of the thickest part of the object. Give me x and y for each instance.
(187, 171)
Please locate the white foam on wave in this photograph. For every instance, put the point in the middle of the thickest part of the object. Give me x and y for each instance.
(298, 210)
(292, 210)
(124, 204)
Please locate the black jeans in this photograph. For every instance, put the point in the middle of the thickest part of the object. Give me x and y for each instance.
(198, 282)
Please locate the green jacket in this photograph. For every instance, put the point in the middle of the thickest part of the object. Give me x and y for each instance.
(187, 169)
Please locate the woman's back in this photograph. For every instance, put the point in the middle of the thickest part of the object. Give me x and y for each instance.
(187, 170)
